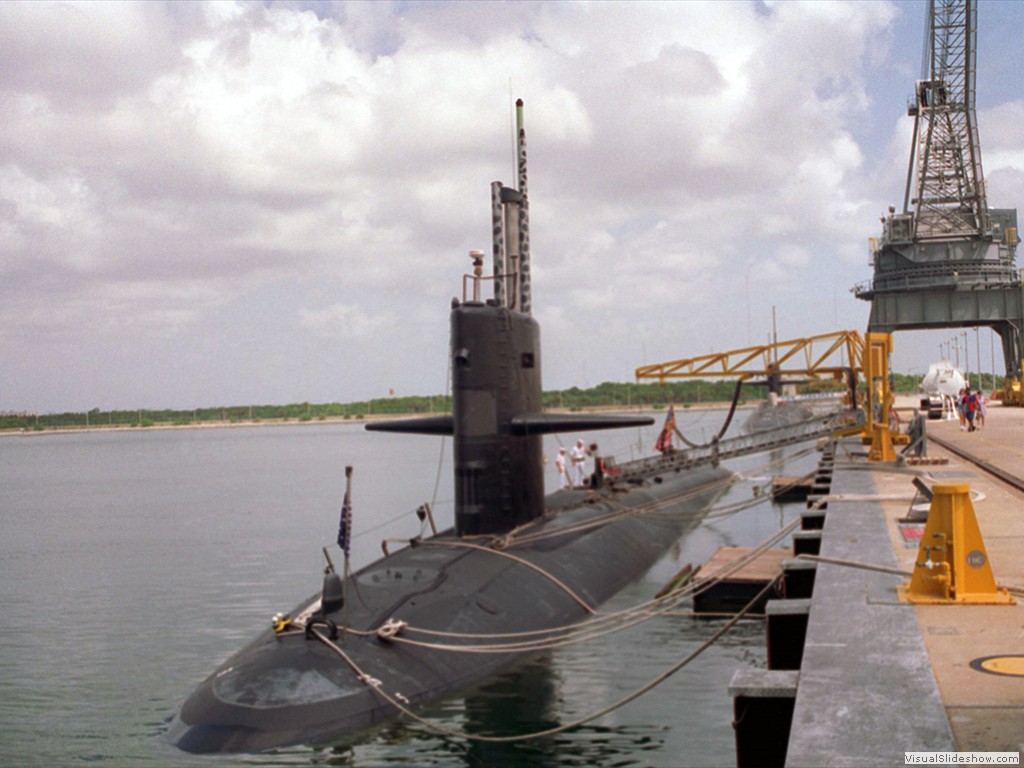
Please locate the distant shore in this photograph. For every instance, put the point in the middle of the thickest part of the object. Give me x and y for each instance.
(292, 422)
(903, 403)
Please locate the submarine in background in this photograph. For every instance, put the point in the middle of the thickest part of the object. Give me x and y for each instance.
(517, 570)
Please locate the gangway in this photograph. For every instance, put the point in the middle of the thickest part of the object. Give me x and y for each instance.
(730, 448)
(813, 358)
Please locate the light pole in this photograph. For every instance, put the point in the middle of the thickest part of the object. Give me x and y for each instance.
(977, 346)
(967, 360)
(992, 347)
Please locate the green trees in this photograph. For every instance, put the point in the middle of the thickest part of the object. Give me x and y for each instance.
(610, 395)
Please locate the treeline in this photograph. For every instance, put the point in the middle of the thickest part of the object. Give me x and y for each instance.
(607, 395)
(233, 414)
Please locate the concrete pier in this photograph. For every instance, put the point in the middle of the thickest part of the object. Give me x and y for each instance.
(875, 676)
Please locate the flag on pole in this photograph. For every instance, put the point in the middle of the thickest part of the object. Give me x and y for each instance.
(345, 521)
(665, 438)
(345, 527)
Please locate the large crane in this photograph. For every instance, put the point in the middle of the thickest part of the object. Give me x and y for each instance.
(947, 260)
(950, 201)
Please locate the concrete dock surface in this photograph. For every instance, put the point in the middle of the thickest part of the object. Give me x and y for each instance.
(986, 711)
(879, 676)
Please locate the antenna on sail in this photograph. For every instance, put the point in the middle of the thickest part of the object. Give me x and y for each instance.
(512, 133)
(510, 219)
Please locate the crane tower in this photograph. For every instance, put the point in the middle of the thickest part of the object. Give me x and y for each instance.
(947, 260)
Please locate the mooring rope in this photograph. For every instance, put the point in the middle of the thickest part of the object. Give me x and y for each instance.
(597, 626)
(883, 569)
(653, 608)
(551, 577)
(653, 508)
(395, 700)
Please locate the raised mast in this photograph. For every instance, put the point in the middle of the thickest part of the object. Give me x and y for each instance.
(524, 213)
(510, 222)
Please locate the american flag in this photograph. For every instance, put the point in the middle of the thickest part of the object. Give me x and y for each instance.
(665, 438)
(345, 527)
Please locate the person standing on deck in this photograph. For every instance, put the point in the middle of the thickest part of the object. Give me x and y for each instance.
(579, 458)
(563, 470)
(597, 478)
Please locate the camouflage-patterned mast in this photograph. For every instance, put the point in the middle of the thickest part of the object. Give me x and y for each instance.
(524, 214)
(498, 239)
(510, 223)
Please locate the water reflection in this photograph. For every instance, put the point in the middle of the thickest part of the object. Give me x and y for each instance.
(526, 699)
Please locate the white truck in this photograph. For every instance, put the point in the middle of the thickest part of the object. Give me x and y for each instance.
(940, 389)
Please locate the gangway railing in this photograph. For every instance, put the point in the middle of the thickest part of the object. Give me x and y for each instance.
(733, 447)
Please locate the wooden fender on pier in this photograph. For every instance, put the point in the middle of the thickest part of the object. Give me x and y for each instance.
(952, 564)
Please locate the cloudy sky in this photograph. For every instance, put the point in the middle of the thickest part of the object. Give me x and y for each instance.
(231, 203)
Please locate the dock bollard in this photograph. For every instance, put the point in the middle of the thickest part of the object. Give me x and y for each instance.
(952, 565)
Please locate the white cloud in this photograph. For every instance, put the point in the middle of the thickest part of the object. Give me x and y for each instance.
(182, 171)
(343, 320)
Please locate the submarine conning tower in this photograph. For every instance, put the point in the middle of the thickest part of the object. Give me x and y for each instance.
(497, 417)
(495, 348)
(499, 480)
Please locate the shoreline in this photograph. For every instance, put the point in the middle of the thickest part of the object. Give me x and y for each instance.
(903, 403)
(250, 423)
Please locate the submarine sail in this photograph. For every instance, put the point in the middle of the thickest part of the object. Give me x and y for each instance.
(515, 562)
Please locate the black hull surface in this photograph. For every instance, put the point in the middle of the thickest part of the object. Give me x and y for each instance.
(285, 689)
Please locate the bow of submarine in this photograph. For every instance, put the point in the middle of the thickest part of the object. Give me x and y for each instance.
(286, 690)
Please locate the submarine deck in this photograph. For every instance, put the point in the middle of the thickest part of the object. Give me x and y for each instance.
(879, 677)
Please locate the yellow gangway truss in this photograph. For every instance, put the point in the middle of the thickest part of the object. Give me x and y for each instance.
(839, 355)
(814, 357)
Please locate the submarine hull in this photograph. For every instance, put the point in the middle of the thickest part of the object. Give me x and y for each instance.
(446, 613)
(287, 688)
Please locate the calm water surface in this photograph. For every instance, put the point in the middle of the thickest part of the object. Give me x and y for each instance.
(133, 563)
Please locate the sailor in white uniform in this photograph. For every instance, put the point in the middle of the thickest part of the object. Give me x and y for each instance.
(579, 459)
(563, 472)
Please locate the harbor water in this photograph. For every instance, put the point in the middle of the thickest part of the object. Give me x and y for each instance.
(133, 563)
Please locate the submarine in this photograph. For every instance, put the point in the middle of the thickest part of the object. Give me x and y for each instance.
(519, 569)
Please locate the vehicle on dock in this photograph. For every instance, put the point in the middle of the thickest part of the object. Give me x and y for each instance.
(940, 389)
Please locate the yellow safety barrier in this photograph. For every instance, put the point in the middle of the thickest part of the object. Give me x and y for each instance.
(952, 564)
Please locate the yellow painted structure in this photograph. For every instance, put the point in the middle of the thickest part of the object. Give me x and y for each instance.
(815, 358)
(952, 564)
(1012, 392)
(877, 350)
(1010, 666)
